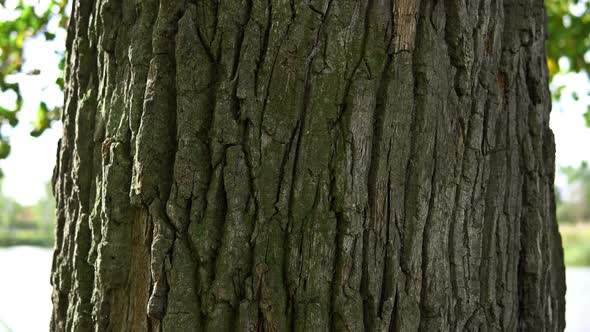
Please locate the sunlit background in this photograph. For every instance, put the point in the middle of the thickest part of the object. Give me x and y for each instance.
(26, 202)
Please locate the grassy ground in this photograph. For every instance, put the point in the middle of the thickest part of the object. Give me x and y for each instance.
(31, 237)
(576, 243)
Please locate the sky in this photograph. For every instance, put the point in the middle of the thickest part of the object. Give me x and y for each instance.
(30, 164)
(567, 122)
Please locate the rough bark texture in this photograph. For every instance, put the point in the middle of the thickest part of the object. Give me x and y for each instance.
(274, 165)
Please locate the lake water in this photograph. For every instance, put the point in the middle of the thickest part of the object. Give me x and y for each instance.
(25, 292)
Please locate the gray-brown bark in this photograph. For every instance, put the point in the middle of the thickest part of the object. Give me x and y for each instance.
(307, 165)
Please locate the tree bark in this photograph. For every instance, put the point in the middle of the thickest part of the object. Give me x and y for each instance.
(358, 165)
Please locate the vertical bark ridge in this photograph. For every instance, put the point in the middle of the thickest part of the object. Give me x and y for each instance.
(73, 281)
(111, 225)
(378, 62)
(153, 162)
(308, 166)
(354, 130)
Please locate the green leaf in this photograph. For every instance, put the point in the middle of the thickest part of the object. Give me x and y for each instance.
(60, 82)
(4, 149)
(49, 35)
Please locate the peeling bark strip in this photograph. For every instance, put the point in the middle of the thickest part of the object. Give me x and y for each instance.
(314, 165)
(404, 20)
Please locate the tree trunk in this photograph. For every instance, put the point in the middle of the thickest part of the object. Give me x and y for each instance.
(358, 165)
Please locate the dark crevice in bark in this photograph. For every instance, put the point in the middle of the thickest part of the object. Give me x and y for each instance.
(429, 228)
(264, 47)
(386, 279)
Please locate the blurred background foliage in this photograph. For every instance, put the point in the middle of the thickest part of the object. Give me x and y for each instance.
(22, 20)
(568, 23)
(573, 215)
(27, 225)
